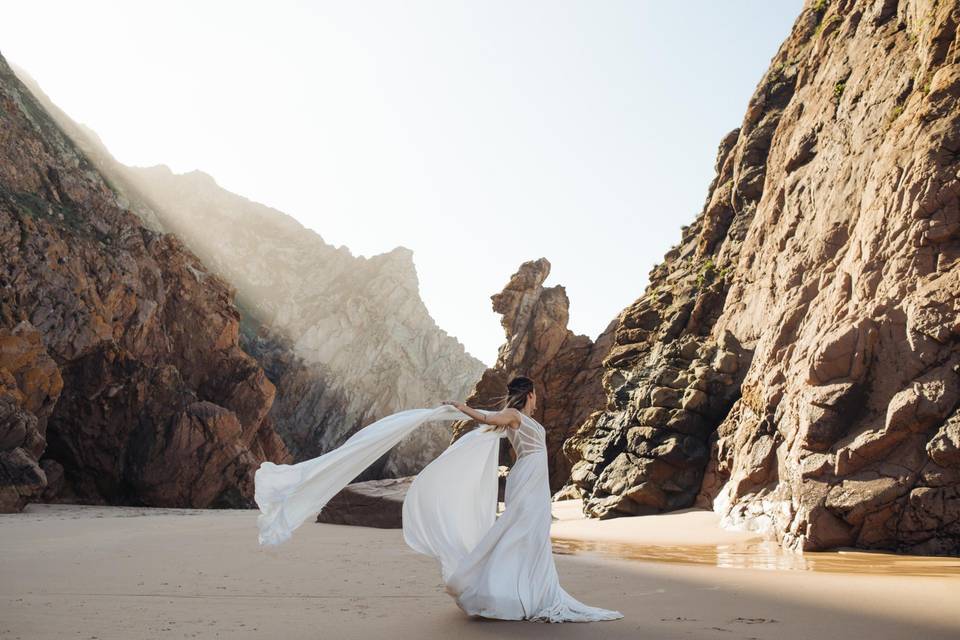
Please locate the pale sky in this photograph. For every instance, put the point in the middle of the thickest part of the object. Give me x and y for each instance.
(478, 134)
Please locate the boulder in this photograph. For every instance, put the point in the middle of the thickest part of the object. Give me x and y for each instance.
(371, 503)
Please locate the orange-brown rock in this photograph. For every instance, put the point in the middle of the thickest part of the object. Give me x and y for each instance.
(564, 366)
(345, 339)
(30, 385)
(159, 405)
(800, 348)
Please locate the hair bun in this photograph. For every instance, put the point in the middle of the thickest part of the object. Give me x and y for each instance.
(520, 384)
(517, 391)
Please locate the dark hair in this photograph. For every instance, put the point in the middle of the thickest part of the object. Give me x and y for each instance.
(517, 391)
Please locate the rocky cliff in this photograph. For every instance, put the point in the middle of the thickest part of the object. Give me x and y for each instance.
(565, 367)
(365, 343)
(345, 339)
(795, 361)
(121, 378)
(30, 385)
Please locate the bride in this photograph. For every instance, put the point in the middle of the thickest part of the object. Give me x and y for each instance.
(494, 567)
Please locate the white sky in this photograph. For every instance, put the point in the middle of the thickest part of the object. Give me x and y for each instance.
(479, 134)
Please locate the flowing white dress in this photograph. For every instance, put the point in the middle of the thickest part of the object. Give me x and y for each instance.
(495, 567)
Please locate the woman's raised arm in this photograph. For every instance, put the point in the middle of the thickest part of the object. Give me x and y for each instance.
(508, 417)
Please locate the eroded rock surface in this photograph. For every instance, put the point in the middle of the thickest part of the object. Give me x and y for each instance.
(349, 337)
(564, 366)
(365, 344)
(30, 386)
(795, 361)
(372, 503)
(130, 358)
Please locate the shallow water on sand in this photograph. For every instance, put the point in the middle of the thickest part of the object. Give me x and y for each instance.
(769, 555)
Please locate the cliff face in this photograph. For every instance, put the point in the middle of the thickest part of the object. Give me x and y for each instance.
(345, 339)
(364, 342)
(119, 356)
(564, 366)
(800, 349)
(30, 386)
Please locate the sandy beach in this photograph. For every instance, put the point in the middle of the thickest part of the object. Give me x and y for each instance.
(122, 572)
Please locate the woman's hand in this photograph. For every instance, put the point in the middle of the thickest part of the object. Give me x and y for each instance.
(459, 406)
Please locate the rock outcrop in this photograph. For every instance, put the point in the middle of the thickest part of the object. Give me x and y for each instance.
(379, 503)
(30, 386)
(795, 360)
(366, 343)
(565, 367)
(372, 503)
(120, 362)
(360, 343)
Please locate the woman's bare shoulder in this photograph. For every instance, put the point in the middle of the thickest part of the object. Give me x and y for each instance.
(505, 418)
(514, 413)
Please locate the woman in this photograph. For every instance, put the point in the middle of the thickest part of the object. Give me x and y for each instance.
(492, 567)
(510, 573)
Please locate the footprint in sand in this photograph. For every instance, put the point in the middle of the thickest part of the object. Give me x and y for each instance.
(754, 620)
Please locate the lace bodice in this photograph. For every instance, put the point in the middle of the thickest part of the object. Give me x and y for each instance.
(529, 437)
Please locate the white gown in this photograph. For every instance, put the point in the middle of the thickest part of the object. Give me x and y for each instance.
(495, 567)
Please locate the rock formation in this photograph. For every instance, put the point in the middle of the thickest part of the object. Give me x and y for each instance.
(379, 503)
(348, 337)
(367, 345)
(119, 357)
(372, 503)
(564, 366)
(794, 362)
(30, 386)
(799, 351)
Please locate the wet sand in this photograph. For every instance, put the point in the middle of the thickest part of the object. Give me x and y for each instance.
(119, 572)
(693, 536)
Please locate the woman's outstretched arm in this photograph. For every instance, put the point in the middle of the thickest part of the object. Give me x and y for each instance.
(508, 417)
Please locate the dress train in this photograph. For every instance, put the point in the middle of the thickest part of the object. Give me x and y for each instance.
(495, 567)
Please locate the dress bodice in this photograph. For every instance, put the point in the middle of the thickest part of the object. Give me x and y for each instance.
(529, 437)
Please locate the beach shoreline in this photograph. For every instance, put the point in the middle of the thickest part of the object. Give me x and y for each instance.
(129, 572)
